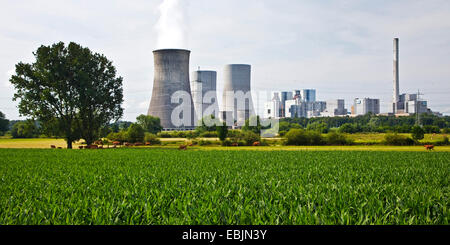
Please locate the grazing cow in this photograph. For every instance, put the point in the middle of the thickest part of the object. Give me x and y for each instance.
(147, 143)
(429, 147)
(53, 147)
(257, 143)
(183, 147)
(127, 144)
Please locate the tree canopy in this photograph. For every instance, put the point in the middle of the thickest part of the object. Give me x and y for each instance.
(149, 123)
(4, 123)
(69, 89)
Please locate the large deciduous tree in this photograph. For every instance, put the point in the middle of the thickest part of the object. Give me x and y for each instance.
(149, 123)
(71, 89)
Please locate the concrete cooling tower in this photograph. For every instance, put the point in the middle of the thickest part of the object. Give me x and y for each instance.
(237, 81)
(204, 95)
(171, 75)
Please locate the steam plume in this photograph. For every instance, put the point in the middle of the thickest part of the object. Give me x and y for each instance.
(171, 26)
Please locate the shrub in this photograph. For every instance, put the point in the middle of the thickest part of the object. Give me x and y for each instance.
(25, 129)
(204, 142)
(135, 133)
(417, 133)
(208, 134)
(152, 139)
(249, 137)
(398, 140)
(446, 130)
(302, 137)
(334, 138)
(120, 136)
(282, 133)
(226, 143)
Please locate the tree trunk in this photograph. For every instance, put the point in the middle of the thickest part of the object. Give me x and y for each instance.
(69, 143)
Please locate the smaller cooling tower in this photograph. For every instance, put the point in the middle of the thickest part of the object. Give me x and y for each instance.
(171, 75)
(204, 95)
(237, 81)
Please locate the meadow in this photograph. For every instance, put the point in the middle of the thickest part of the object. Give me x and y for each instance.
(210, 186)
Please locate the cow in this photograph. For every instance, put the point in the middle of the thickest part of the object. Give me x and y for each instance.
(148, 143)
(257, 143)
(429, 147)
(183, 147)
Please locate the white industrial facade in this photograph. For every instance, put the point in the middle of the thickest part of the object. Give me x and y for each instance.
(366, 105)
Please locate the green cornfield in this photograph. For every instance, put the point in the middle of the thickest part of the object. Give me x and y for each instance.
(166, 186)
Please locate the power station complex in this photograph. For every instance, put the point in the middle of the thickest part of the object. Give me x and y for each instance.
(181, 102)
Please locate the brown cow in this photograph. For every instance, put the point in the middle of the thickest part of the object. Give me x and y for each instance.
(429, 147)
(148, 143)
(257, 143)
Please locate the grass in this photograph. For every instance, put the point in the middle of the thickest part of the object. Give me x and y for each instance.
(164, 186)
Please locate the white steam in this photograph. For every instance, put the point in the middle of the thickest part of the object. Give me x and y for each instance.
(172, 25)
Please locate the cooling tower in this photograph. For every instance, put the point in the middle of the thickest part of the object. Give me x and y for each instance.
(171, 75)
(236, 93)
(204, 95)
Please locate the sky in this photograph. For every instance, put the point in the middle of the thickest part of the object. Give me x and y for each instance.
(342, 48)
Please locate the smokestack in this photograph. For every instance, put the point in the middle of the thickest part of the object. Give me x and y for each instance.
(171, 75)
(396, 96)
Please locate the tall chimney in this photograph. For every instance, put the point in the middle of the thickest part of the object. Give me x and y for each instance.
(396, 75)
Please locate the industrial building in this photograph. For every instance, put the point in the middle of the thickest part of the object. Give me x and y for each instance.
(365, 106)
(404, 104)
(171, 75)
(204, 94)
(272, 109)
(237, 99)
(335, 108)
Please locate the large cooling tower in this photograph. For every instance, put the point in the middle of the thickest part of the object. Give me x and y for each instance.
(204, 95)
(237, 80)
(171, 75)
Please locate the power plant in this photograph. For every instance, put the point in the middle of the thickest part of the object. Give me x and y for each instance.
(405, 104)
(171, 75)
(181, 103)
(204, 95)
(237, 99)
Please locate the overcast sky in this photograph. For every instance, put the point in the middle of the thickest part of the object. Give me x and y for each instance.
(342, 48)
